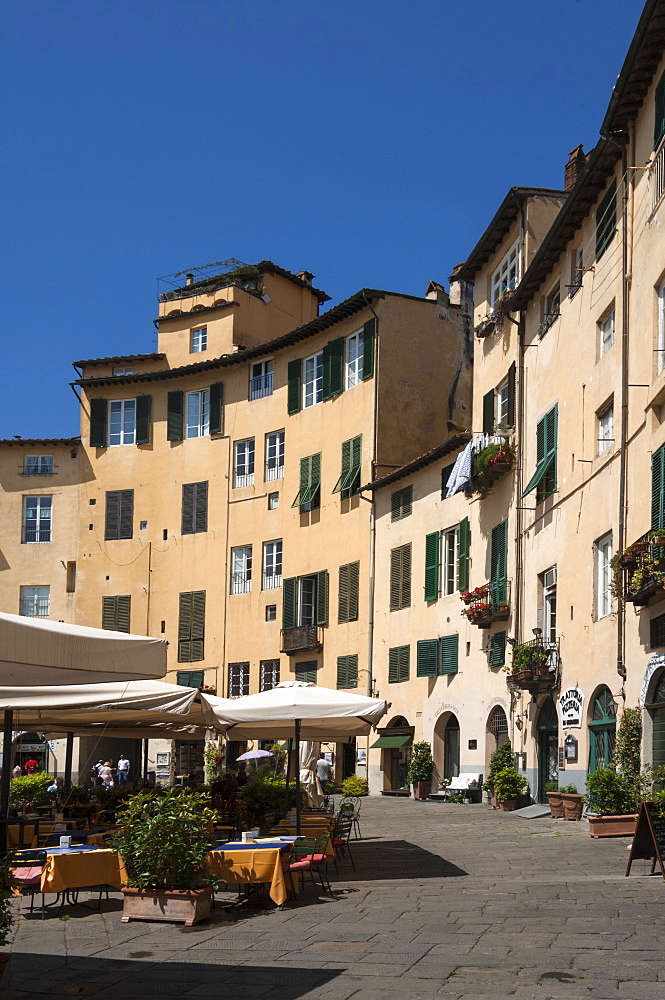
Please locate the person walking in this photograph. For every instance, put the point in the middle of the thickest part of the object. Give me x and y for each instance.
(323, 770)
(106, 774)
(123, 769)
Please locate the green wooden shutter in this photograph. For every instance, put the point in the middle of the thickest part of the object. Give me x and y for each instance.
(354, 576)
(488, 412)
(315, 481)
(658, 489)
(191, 626)
(540, 441)
(343, 600)
(400, 577)
(499, 564)
(463, 556)
(449, 653)
(511, 394)
(289, 602)
(112, 517)
(659, 112)
(174, 415)
(369, 336)
(401, 503)
(322, 597)
(398, 664)
(333, 368)
(349, 479)
(201, 507)
(216, 421)
(109, 615)
(126, 519)
(98, 408)
(606, 220)
(198, 624)
(497, 657)
(190, 678)
(123, 606)
(427, 656)
(143, 406)
(347, 671)
(188, 501)
(546, 455)
(432, 565)
(294, 390)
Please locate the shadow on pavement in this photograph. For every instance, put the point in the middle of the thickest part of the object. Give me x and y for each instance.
(393, 859)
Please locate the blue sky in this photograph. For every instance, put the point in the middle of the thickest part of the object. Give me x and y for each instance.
(369, 143)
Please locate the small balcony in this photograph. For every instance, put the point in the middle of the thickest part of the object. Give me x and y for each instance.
(261, 385)
(493, 457)
(535, 665)
(487, 604)
(301, 638)
(494, 321)
(639, 571)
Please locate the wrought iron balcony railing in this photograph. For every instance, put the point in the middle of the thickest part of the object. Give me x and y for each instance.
(536, 664)
(301, 637)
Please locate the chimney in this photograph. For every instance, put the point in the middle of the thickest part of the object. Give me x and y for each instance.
(574, 167)
(305, 276)
(189, 279)
(461, 292)
(434, 289)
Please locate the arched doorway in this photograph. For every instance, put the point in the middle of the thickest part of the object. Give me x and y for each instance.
(451, 744)
(31, 746)
(656, 709)
(602, 730)
(548, 747)
(496, 734)
(399, 755)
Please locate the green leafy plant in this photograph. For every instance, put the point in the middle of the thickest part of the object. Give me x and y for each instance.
(552, 786)
(355, 785)
(163, 839)
(628, 746)
(211, 760)
(456, 797)
(566, 789)
(609, 793)
(488, 463)
(421, 765)
(500, 759)
(30, 787)
(261, 796)
(6, 896)
(509, 783)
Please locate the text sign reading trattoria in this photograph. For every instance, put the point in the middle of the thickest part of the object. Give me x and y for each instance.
(571, 703)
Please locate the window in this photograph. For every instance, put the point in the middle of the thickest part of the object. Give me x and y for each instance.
(199, 340)
(659, 113)
(401, 503)
(347, 671)
(606, 331)
(354, 359)
(305, 600)
(544, 478)
(194, 508)
(506, 275)
(273, 501)
(308, 496)
(502, 394)
(445, 476)
(198, 413)
(400, 577)
(119, 514)
(551, 308)
(122, 421)
(269, 674)
(116, 613)
(606, 220)
(241, 569)
(657, 632)
(604, 576)
(450, 561)
(605, 419)
(38, 465)
(447, 561)
(271, 612)
(243, 466)
(660, 353)
(349, 480)
(124, 370)
(548, 585)
(37, 519)
(312, 383)
(272, 565)
(36, 602)
(398, 664)
(576, 271)
(306, 671)
(261, 379)
(437, 656)
(499, 405)
(274, 456)
(191, 626)
(349, 575)
(497, 649)
(190, 678)
(238, 679)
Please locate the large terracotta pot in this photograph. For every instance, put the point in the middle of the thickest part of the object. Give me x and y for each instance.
(180, 906)
(555, 804)
(421, 789)
(612, 826)
(572, 805)
(507, 805)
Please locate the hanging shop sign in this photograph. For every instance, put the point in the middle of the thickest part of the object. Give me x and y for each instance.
(571, 703)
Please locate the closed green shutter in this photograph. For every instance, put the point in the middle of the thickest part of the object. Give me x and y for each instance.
(463, 557)
(116, 613)
(401, 503)
(369, 336)
(348, 592)
(294, 390)
(216, 422)
(174, 416)
(98, 408)
(497, 657)
(432, 565)
(658, 489)
(119, 514)
(449, 653)
(398, 664)
(400, 577)
(511, 395)
(427, 655)
(606, 220)
(191, 626)
(488, 412)
(659, 112)
(194, 508)
(289, 602)
(143, 406)
(108, 613)
(322, 597)
(333, 368)
(499, 564)
(190, 678)
(546, 456)
(305, 671)
(347, 671)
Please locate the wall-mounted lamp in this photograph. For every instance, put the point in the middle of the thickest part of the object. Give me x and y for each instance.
(511, 642)
(537, 631)
(613, 707)
(519, 722)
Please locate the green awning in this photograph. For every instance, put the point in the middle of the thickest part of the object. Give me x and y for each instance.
(393, 741)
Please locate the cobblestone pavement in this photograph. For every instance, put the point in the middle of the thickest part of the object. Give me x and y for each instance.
(448, 901)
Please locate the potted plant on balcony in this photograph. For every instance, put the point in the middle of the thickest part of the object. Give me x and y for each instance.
(572, 802)
(521, 667)
(163, 838)
(420, 770)
(508, 786)
(554, 799)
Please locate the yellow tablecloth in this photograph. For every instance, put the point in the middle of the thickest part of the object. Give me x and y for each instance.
(14, 835)
(97, 840)
(252, 866)
(311, 832)
(79, 870)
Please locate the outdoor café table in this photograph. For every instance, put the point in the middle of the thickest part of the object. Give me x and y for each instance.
(79, 867)
(253, 864)
(310, 831)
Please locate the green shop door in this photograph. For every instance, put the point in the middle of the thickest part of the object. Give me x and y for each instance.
(548, 747)
(602, 731)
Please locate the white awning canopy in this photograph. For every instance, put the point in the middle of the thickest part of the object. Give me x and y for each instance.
(34, 651)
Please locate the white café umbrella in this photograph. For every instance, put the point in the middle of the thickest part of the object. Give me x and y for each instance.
(304, 710)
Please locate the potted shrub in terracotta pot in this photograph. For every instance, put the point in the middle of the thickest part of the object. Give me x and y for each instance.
(571, 801)
(163, 838)
(611, 803)
(508, 785)
(421, 768)
(502, 757)
(554, 799)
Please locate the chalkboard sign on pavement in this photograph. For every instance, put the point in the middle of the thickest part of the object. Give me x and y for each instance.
(649, 840)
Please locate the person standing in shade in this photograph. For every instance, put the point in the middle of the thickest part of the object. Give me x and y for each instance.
(242, 774)
(18, 771)
(123, 769)
(323, 770)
